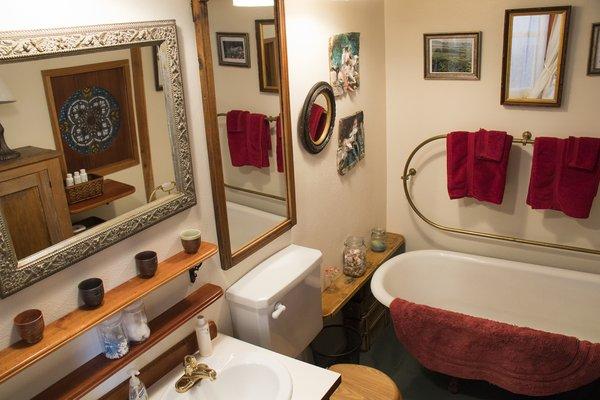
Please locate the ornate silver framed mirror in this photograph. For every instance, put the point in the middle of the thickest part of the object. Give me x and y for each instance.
(99, 144)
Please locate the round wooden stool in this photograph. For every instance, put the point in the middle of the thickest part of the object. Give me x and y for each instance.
(364, 383)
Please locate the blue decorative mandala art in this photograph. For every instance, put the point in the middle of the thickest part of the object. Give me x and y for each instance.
(90, 120)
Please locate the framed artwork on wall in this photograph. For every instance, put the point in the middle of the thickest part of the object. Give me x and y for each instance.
(351, 142)
(344, 66)
(452, 56)
(92, 116)
(594, 63)
(233, 49)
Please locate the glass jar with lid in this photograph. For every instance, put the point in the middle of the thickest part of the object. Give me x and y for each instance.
(113, 338)
(355, 253)
(135, 322)
(378, 242)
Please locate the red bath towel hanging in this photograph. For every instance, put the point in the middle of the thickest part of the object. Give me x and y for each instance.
(477, 164)
(520, 360)
(565, 174)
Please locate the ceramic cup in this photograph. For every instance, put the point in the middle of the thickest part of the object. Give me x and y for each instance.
(147, 263)
(91, 292)
(30, 325)
(190, 240)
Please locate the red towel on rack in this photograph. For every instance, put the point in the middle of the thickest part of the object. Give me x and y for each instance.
(279, 149)
(317, 121)
(565, 175)
(521, 360)
(237, 122)
(477, 164)
(258, 135)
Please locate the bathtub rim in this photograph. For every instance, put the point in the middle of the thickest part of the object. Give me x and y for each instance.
(381, 294)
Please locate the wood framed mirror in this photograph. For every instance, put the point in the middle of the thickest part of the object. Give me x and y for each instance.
(88, 104)
(535, 51)
(317, 119)
(248, 129)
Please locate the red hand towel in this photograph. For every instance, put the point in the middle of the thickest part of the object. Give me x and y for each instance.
(258, 138)
(555, 185)
(490, 145)
(470, 176)
(521, 360)
(583, 152)
(318, 119)
(279, 149)
(236, 137)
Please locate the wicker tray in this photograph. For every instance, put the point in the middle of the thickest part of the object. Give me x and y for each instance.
(86, 190)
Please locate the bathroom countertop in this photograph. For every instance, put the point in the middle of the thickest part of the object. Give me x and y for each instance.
(309, 381)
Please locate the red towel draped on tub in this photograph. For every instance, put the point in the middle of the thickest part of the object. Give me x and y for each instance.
(565, 174)
(477, 164)
(520, 360)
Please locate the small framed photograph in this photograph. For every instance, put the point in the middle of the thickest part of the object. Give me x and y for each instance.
(234, 49)
(594, 63)
(452, 56)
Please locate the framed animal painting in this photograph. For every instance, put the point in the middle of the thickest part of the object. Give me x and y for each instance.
(92, 116)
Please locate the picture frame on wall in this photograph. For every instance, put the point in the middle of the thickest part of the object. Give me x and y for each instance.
(92, 116)
(594, 62)
(233, 49)
(452, 56)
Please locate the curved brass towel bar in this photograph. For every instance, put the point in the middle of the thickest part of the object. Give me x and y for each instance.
(411, 172)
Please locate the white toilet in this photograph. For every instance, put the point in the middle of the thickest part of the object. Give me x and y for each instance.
(277, 305)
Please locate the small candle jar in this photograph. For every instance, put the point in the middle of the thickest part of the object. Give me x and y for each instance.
(135, 322)
(378, 243)
(113, 337)
(355, 253)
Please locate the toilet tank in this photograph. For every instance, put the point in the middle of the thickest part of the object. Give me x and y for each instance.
(277, 305)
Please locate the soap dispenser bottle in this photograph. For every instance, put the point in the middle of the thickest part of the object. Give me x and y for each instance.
(203, 337)
(137, 390)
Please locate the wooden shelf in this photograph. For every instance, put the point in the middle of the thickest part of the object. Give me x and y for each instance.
(344, 287)
(112, 190)
(19, 356)
(90, 375)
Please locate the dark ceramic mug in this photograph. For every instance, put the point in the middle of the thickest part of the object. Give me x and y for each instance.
(92, 292)
(30, 324)
(147, 263)
(190, 240)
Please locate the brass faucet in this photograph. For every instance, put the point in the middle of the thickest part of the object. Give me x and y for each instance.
(193, 373)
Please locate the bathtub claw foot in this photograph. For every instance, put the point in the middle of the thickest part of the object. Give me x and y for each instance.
(454, 386)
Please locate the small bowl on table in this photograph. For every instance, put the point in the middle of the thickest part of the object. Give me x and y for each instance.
(30, 324)
(191, 240)
(147, 263)
(92, 292)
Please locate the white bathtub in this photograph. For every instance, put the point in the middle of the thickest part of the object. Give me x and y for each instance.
(544, 298)
(247, 223)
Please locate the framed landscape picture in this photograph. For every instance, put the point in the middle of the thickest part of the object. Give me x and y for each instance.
(234, 49)
(594, 63)
(452, 56)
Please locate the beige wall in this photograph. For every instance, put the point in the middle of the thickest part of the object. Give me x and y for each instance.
(332, 207)
(418, 109)
(329, 207)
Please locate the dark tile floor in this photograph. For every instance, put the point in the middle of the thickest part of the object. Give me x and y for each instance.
(417, 383)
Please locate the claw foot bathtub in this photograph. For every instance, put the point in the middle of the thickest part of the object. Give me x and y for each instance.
(517, 325)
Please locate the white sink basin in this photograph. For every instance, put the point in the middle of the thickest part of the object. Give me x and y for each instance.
(241, 376)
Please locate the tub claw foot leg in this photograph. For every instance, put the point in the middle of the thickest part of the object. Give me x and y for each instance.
(454, 385)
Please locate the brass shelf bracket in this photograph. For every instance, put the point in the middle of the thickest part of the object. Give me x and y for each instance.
(408, 173)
